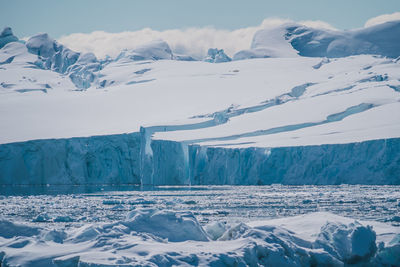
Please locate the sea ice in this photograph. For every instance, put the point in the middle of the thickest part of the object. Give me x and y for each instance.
(165, 238)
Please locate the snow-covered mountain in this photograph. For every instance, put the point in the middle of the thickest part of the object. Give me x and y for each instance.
(290, 40)
(152, 117)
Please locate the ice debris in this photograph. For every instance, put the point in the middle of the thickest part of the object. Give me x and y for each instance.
(292, 39)
(154, 237)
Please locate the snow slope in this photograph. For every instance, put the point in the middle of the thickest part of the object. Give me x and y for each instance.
(205, 91)
(193, 120)
(291, 40)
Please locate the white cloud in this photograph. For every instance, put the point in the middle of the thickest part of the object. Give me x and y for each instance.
(191, 41)
(319, 24)
(382, 18)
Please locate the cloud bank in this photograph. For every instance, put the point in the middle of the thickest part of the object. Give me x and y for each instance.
(382, 18)
(192, 41)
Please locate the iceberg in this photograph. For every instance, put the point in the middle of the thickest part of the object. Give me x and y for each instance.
(153, 237)
(93, 160)
(330, 122)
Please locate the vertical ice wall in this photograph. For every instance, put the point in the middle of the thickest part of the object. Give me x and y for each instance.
(112, 159)
(136, 159)
(370, 162)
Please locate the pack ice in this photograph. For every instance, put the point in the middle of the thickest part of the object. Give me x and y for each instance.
(300, 106)
(151, 237)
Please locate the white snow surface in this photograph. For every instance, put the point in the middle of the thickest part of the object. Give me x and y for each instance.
(268, 42)
(260, 102)
(151, 237)
(292, 39)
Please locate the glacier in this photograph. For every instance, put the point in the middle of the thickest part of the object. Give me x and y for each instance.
(156, 158)
(94, 160)
(150, 117)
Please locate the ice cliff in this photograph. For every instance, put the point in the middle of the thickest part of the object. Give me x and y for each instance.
(124, 159)
(215, 55)
(111, 159)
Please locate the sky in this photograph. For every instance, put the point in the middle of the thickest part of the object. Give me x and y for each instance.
(59, 17)
(108, 26)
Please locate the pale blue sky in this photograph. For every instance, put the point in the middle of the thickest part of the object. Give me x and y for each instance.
(59, 17)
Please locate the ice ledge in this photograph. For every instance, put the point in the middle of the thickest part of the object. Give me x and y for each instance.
(122, 159)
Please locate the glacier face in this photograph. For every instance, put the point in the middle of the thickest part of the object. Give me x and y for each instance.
(110, 159)
(125, 159)
(370, 162)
